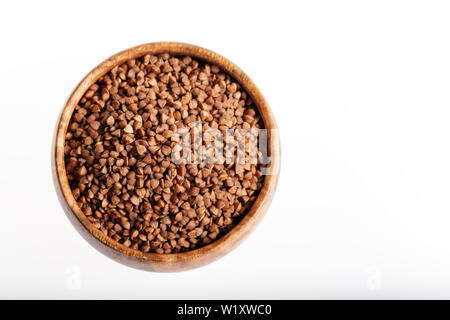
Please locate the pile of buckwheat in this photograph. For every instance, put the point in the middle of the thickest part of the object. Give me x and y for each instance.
(118, 154)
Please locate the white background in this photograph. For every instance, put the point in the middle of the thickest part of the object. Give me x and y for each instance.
(360, 91)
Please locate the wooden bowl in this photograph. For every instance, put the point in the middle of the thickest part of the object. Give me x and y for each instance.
(176, 261)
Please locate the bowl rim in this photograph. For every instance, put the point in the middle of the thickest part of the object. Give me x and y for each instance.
(218, 247)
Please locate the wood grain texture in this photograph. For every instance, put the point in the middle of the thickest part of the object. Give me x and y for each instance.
(176, 261)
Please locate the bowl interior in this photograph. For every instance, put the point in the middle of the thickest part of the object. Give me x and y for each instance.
(228, 241)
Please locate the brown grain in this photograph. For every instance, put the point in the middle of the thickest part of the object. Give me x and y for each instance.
(118, 154)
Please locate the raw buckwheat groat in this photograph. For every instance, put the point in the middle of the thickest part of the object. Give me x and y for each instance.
(119, 146)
